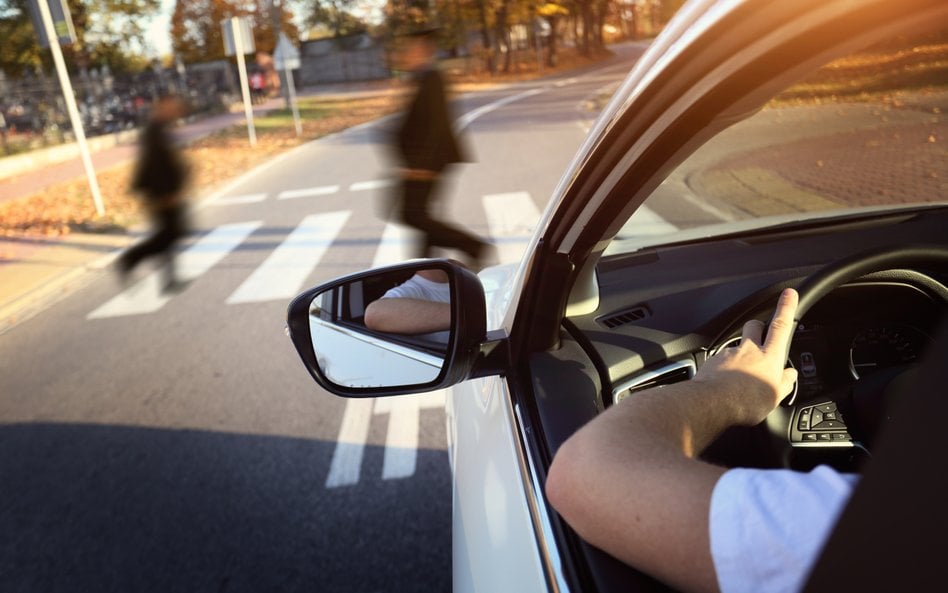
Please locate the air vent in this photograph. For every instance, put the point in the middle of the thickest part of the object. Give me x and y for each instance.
(630, 316)
(673, 373)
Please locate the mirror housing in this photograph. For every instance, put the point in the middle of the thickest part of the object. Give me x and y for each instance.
(467, 332)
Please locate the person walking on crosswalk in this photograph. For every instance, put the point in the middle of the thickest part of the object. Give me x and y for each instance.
(160, 176)
(425, 145)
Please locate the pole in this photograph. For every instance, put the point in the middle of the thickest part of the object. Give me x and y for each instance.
(291, 87)
(66, 85)
(244, 88)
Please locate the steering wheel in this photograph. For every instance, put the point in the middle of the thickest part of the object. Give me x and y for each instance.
(852, 414)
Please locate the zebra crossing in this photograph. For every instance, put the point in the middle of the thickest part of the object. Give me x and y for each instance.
(283, 274)
(511, 220)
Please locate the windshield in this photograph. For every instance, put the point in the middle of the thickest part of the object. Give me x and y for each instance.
(865, 131)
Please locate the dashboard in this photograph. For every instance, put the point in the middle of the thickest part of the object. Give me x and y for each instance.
(663, 311)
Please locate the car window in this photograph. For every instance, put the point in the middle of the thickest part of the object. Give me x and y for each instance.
(866, 130)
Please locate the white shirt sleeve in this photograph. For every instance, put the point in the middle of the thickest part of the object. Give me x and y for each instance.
(768, 527)
(420, 288)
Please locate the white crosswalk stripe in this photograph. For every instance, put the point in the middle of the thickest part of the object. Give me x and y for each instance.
(282, 275)
(346, 464)
(396, 246)
(368, 185)
(647, 222)
(401, 441)
(511, 218)
(146, 295)
(309, 192)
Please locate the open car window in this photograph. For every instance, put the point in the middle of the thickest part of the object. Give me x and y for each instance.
(867, 130)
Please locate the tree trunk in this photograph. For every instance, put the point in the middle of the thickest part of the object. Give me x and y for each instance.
(551, 50)
(587, 26)
(502, 33)
(485, 37)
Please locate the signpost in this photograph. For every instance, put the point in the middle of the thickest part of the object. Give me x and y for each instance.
(287, 58)
(54, 25)
(238, 40)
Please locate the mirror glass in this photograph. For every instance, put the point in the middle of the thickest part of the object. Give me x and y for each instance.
(389, 329)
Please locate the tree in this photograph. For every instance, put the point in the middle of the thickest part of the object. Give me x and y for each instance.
(196, 26)
(335, 16)
(553, 13)
(105, 32)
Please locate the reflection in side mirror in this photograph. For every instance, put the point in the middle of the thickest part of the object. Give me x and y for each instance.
(383, 330)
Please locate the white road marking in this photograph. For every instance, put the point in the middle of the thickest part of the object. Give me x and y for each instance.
(146, 296)
(309, 192)
(400, 457)
(511, 218)
(346, 462)
(284, 272)
(232, 200)
(396, 246)
(369, 185)
(469, 117)
(646, 222)
(401, 442)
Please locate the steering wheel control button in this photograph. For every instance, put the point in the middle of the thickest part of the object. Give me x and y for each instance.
(804, 423)
(820, 425)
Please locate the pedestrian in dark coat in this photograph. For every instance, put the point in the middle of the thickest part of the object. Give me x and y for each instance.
(426, 144)
(160, 176)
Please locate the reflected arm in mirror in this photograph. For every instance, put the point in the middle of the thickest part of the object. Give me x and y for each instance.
(420, 305)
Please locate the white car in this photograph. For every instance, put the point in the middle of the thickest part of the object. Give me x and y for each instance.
(756, 145)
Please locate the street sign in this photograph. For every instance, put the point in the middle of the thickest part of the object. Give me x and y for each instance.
(62, 22)
(238, 40)
(285, 56)
(242, 25)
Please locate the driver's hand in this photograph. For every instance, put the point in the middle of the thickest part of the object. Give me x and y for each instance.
(752, 375)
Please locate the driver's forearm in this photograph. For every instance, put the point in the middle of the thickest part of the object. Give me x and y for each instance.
(408, 316)
(629, 482)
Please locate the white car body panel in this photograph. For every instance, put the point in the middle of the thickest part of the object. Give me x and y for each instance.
(492, 524)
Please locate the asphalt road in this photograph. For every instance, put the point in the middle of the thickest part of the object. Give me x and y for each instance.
(176, 443)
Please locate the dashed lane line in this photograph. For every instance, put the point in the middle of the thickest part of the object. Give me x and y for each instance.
(308, 192)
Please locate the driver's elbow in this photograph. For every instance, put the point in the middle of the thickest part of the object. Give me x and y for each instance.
(564, 481)
(376, 318)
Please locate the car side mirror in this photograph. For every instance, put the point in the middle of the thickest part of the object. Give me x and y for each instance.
(401, 329)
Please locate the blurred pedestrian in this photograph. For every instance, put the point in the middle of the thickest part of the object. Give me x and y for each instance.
(425, 144)
(257, 87)
(160, 176)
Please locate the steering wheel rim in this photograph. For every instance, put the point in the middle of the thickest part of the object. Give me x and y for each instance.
(820, 283)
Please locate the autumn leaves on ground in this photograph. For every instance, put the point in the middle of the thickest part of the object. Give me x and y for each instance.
(68, 207)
